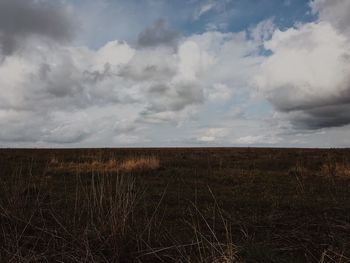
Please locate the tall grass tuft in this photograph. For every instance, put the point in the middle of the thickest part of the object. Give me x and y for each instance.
(90, 221)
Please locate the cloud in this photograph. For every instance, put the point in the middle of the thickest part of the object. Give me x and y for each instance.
(158, 34)
(263, 30)
(203, 10)
(320, 117)
(258, 139)
(20, 19)
(336, 12)
(158, 64)
(219, 93)
(61, 94)
(212, 135)
(210, 6)
(308, 74)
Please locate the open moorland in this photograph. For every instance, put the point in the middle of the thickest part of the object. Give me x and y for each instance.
(175, 205)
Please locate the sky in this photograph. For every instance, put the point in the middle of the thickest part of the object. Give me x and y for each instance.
(162, 73)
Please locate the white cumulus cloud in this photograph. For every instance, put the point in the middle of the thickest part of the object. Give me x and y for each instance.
(308, 74)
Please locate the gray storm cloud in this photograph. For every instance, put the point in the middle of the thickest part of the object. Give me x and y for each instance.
(24, 18)
(323, 116)
(158, 34)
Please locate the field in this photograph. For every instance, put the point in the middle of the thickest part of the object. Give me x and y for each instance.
(175, 205)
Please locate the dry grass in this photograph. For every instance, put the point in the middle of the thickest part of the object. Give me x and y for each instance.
(91, 210)
(139, 164)
(95, 222)
(90, 224)
(134, 164)
(333, 169)
(207, 244)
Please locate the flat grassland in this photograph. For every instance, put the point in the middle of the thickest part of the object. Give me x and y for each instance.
(175, 205)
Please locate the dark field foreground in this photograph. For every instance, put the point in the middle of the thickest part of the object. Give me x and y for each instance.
(175, 205)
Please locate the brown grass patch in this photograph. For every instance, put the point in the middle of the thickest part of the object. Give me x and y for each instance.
(333, 169)
(139, 164)
(134, 164)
